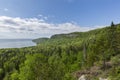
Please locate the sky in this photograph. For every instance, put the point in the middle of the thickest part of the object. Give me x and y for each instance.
(43, 18)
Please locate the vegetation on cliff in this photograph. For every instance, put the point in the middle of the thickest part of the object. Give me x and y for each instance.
(94, 53)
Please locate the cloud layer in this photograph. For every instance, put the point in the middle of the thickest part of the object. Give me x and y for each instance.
(33, 28)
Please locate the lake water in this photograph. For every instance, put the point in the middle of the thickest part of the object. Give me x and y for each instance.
(16, 43)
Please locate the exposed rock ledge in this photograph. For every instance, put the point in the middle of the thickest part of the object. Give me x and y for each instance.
(83, 77)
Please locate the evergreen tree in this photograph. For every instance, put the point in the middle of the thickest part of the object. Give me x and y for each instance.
(113, 39)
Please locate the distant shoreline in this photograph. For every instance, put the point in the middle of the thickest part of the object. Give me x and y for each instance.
(16, 43)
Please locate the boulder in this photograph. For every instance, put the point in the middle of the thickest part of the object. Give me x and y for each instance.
(102, 78)
(82, 77)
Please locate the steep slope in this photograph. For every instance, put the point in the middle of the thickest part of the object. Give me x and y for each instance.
(40, 40)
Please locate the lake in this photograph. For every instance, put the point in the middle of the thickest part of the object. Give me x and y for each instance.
(16, 43)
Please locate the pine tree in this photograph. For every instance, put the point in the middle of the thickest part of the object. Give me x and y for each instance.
(112, 24)
(113, 39)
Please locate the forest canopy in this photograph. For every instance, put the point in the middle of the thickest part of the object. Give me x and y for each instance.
(63, 56)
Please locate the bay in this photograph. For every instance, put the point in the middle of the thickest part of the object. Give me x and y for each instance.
(16, 43)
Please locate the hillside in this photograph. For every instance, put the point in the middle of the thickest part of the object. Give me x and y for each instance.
(74, 35)
(94, 54)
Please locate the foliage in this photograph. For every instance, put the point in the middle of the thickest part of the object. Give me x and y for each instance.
(58, 57)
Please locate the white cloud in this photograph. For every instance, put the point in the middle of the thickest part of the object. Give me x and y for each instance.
(42, 17)
(5, 9)
(34, 28)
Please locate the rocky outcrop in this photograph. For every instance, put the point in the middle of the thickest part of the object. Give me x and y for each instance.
(103, 78)
(86, 73)
(82, 77)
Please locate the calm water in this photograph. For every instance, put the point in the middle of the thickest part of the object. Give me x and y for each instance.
(16, 43)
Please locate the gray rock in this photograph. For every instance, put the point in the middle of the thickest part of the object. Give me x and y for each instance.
(102, 78)
(82, 77)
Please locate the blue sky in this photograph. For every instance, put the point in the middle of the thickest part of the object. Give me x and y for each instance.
(82, 14)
